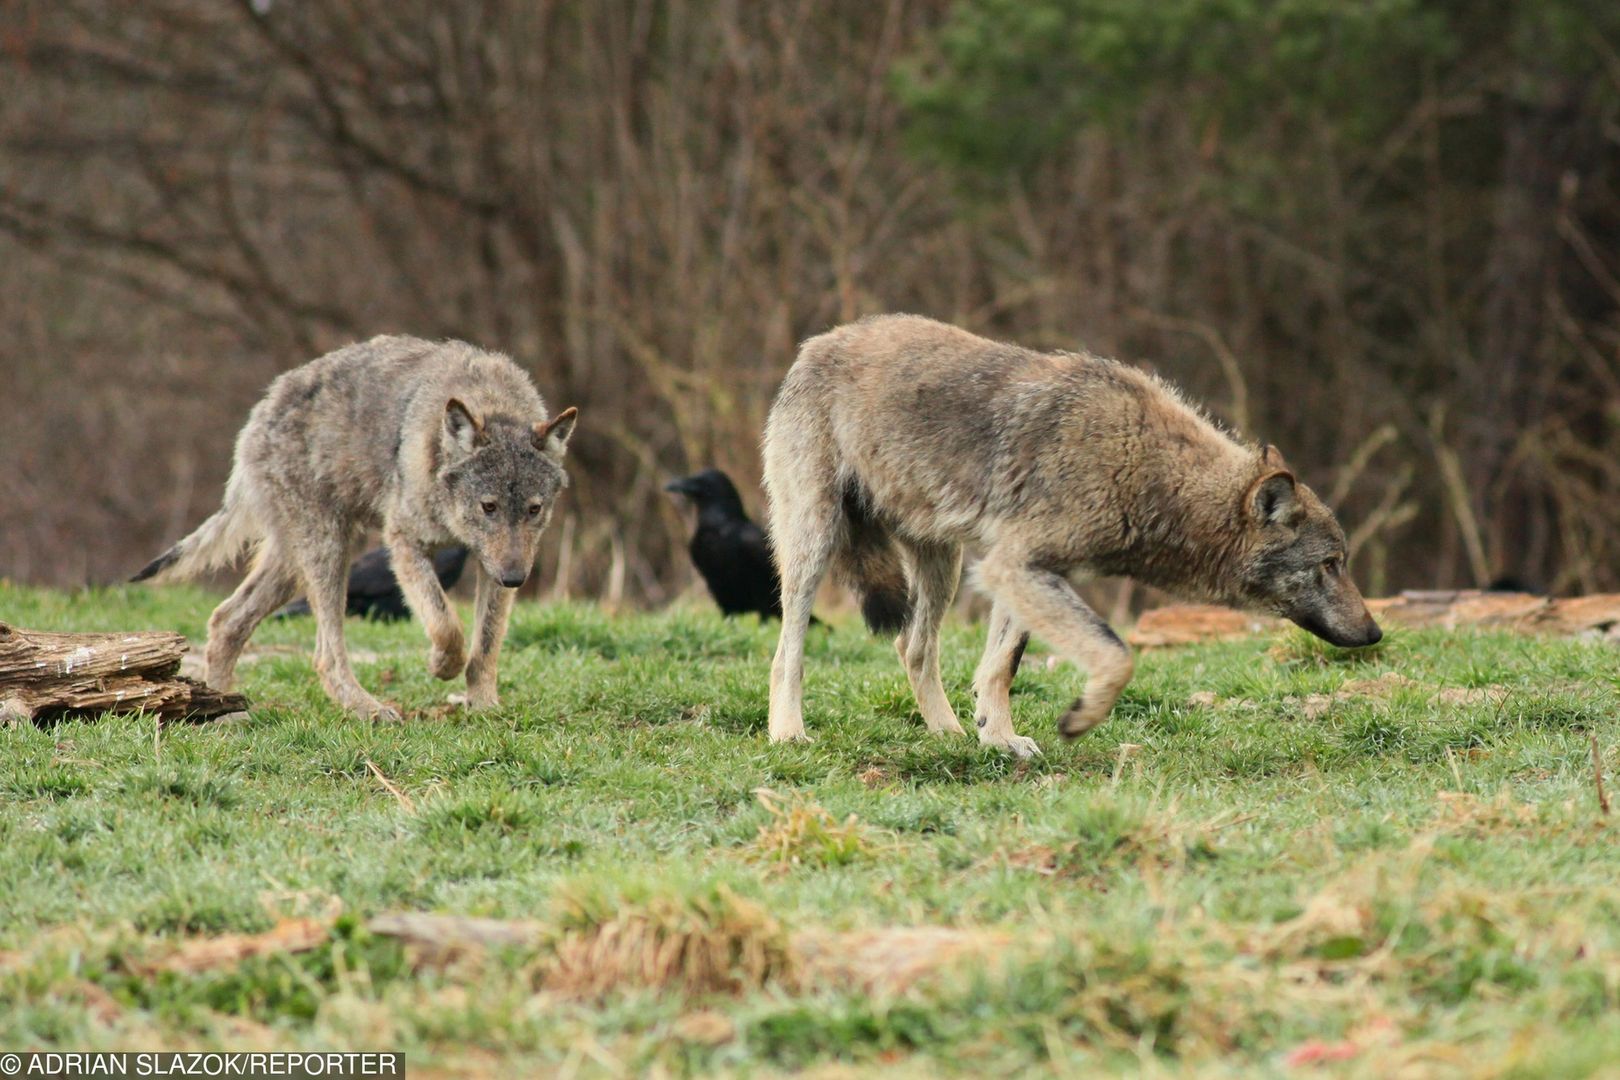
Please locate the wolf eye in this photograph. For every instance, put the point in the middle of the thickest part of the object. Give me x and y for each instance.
(534, 510)
(488, 505)
(1333, 567)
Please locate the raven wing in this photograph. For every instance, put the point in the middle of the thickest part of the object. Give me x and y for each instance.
(756, 571)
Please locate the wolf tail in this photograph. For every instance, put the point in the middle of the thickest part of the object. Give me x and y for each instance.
(216, 542)
(869, 563)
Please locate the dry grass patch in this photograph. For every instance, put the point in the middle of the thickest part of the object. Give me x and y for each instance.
(707, 944)
(802, 832)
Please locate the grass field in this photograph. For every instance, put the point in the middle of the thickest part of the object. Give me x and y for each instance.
(1273, 859)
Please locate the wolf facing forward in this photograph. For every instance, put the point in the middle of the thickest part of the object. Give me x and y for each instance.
(433, 443)
(896, 440)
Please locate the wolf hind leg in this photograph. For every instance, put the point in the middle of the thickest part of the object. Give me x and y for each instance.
(935, 571)
(1047, 604)
(803, 553)
(992, 683)
(269, 584)
(805, 525)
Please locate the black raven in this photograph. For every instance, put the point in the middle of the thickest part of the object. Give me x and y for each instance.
(373, 592)
(730, 551)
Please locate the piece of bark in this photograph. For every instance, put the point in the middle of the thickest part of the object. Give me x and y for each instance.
(46, 676)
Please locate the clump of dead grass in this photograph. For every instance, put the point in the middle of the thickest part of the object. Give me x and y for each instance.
(802, 832)
(714, 942)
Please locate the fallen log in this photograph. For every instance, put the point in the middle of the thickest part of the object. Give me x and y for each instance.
(47, 676)
(1596, 616)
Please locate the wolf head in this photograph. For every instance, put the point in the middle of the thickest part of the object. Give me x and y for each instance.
(501, 478)
(1294, 562)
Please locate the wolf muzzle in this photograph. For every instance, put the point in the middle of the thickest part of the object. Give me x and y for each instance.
(1367, 634)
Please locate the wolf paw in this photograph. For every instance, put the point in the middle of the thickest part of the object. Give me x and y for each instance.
(379, 712)
(474, 701)
(1016, 745)
(1078, 720)
(447, 663)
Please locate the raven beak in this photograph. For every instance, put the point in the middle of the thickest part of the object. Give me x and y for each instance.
(679, 487)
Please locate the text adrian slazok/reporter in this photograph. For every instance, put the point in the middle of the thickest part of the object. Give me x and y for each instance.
(200, 1063)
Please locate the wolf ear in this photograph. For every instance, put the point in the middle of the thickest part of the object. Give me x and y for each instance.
(1274, 499)
(461, 426)
(1271, 457)
(552, 435)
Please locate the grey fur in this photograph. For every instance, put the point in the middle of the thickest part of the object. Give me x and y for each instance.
(1058, 467)
(433, 443)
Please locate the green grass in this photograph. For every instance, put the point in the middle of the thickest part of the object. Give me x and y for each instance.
(1398, 880)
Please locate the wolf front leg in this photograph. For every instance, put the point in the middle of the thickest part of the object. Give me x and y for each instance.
(323, 558)
(494, 607)
(992, 683)
(1047, 604)
(413, 569)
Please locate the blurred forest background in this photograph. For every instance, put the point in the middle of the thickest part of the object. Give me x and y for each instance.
(1382, 234)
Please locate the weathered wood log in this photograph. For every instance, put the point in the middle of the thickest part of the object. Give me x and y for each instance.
(1596, 616)
(1189, 624)
(46, 676)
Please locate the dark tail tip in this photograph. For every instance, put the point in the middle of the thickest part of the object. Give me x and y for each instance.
(886, 610)
(159, 564)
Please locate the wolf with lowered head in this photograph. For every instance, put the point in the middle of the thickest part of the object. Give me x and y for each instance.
(897, 440)
(434, 444)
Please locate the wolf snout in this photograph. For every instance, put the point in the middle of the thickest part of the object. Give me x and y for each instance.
(513, 578)
(1345, 633)
(1369, 633)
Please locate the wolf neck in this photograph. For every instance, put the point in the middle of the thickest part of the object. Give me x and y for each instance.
(1186, 521)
